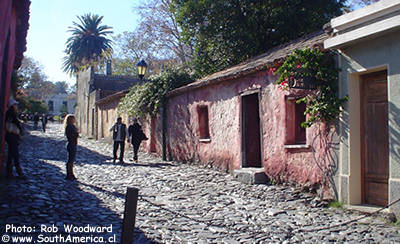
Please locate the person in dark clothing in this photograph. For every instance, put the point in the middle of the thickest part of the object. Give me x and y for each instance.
(14, 131)
(119, 135)
(44, 122)
(72, 135)
(35, 121)
(136, 136)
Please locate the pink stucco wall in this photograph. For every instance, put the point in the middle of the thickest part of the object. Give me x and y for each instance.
(8, 24)
(224, 149)
(152, 128)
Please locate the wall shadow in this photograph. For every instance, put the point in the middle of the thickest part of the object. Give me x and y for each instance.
(88, 156)
(47, 199)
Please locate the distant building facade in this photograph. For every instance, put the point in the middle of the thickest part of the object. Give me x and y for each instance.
(56, 103)
(91, 88)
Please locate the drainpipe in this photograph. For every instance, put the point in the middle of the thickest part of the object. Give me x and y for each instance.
(164, 128)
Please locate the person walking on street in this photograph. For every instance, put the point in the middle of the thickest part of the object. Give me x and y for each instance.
(136, 136)
(14, 131)
(119, 135)
(35, 121)
(44, 122)
(72, 135)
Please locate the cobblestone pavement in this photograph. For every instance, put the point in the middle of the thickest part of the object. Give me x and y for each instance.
(180, 203)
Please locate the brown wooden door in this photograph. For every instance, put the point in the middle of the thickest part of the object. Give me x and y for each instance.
(374, 139)
(251, 131)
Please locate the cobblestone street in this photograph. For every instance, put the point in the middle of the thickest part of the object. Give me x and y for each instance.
(179, 203)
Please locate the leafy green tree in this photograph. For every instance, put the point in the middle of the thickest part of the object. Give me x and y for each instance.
(157, 40)
(227, 32)
(32, 80)
(30, 66)
(130, 48)
(32, 105)
(61, 87)
(160, 28)
(146, 99)
(38, 88)
(88, 44)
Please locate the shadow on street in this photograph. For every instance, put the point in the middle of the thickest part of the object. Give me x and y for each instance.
(47, 199)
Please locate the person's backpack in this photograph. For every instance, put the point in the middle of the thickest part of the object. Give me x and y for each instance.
(142, 136)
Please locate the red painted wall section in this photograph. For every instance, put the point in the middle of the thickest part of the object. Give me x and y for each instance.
(5, 14)
(8, 26)
(152, 128)
(224, 149)
(297, 165)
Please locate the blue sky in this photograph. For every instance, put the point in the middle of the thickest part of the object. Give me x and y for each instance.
(49, 22)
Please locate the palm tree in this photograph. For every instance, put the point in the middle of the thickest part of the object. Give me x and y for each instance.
(88, 43)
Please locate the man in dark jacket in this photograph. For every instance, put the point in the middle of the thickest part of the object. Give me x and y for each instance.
(136, 136)
(119, 135)
(44, 122)
(35, 121)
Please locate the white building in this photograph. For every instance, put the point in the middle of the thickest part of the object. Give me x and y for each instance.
(368, 43)
(56, 102)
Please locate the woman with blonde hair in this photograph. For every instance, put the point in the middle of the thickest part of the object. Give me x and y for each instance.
(71, 132)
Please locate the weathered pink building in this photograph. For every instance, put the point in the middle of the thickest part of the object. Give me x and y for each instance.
(239, 118)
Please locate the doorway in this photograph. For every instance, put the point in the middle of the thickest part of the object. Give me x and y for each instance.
(153, 135)
(251, 142)
(374, 139)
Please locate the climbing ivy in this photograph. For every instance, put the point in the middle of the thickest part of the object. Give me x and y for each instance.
(324, 104)
(147, 98)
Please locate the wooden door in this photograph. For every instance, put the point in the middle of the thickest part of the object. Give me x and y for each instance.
(251, 131)
(374, 139)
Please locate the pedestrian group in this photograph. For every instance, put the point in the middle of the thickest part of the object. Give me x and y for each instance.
(15, 130)
(135, 137)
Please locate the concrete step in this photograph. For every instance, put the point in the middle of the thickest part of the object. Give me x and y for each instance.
(251, 176)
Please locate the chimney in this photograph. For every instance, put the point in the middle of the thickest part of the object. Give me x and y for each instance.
(108, 68)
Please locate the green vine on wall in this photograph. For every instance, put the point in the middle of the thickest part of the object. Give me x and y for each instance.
(324, 104)
(147, 98)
